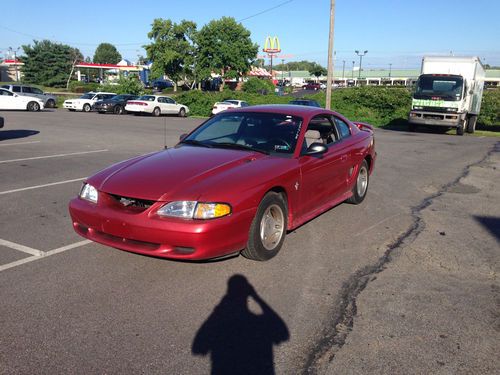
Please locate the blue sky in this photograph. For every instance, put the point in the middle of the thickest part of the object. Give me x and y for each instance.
(393, 32)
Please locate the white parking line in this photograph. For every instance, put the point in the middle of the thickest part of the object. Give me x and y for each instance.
(52, 156)
(41, 186)
(40, 255)
(19, 143)
(19, 247)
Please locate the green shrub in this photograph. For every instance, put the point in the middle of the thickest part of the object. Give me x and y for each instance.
(258, 86)
(81, 87)
(490, 108)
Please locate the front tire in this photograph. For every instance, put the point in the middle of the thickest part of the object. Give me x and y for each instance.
(118, 110)
(268, 229)
(361, 187)
(156, 112)
(86, 107)
(33, 107)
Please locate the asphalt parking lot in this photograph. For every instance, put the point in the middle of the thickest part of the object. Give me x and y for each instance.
(424, 241)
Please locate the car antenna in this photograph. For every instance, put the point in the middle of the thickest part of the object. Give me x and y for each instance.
(165, 135)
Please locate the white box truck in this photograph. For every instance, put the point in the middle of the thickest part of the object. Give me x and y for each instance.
(448, 93)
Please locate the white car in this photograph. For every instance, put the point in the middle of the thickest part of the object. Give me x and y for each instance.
(84, 103)
(10, 100)
(156, 105)
(226, 104)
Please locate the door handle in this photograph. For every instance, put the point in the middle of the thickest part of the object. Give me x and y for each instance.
(343, 157)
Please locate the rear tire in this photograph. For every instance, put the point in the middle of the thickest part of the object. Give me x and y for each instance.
(50, 104)
(268, 229)
(33, 107)
(361, 187)
(156, 112)
(471, 124)
(182, 112)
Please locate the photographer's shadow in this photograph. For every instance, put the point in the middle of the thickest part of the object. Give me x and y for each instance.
(238, 340)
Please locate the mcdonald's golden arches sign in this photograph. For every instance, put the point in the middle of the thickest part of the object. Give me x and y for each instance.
(272, 45)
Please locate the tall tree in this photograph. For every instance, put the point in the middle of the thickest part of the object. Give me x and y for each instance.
(224, 46)
(49, 64)
(317, 70)
(172, 49)
(106, 53)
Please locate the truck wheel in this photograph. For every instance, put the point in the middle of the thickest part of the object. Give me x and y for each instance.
(471, 124)
(461, 127)
(412, 127)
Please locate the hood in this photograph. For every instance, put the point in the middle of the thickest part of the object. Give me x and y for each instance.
(181, 172)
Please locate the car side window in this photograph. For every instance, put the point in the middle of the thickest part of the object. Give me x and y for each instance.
(325, 127)
(169, 101)
(343, 128)
(6, 93)
(161, 100)
(35, 90)
(26, 89)
(16, 88)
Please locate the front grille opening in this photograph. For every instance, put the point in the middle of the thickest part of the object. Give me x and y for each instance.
(133, 203)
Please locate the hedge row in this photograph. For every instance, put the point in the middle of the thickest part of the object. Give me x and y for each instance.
(376, 105)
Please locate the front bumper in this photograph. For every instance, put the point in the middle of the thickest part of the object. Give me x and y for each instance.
(450, 119)
(147, 233)
(102, 108)
(71, 106)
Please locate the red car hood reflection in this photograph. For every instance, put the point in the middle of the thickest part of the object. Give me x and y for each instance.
(175, 171)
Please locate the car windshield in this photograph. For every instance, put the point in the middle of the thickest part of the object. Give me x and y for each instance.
(147, 98)
(87, 96)
(309, 103)
(445, 87)
(269, 133)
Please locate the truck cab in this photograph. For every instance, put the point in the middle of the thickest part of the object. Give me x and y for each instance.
(448, 94)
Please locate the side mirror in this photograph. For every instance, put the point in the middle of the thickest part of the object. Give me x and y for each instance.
(182, 137)
(316, 149)
(471, 92)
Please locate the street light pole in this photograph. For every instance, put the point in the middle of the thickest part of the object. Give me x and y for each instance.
(360, 60)
(343, 69)
(15, 60)
(390, 69)
(352, 71)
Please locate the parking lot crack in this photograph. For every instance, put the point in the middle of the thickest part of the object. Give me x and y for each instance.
(345, 309)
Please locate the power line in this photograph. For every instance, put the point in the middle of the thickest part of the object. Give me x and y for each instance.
(266, 10)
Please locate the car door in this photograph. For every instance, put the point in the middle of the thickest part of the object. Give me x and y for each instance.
(323, 176)
(8, 100)
(172, 106)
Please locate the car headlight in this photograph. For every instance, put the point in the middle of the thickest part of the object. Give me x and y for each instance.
(195, 210)
(89, 193)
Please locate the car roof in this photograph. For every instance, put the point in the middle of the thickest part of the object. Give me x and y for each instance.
(287, 109)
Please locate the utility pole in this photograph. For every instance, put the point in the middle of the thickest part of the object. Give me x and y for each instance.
(390, 70)
(343, 69)
(15, 60)
(329, 76)
(352, 71)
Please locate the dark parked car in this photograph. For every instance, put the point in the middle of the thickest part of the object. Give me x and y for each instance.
(312, 86)
(308, 102)
(161, 84)
(1, 122)
(114, 105)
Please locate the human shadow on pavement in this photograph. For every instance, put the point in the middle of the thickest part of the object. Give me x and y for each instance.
(491, 223)
(14, 134)
(238, 340)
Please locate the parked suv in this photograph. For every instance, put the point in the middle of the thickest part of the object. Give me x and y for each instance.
(49, 101)
(84, 103)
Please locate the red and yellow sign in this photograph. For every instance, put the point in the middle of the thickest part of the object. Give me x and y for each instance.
(272, 45)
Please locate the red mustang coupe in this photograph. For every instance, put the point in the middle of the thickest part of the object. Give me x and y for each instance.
(238, 182)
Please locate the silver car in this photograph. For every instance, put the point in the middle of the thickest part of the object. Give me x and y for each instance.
(26, 90)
